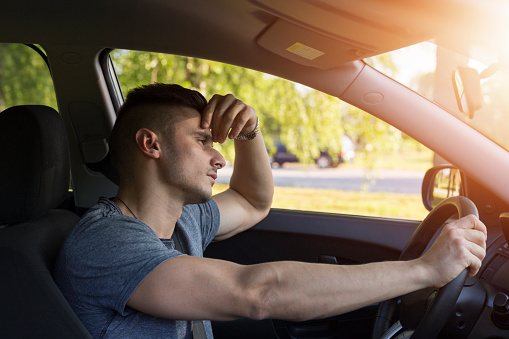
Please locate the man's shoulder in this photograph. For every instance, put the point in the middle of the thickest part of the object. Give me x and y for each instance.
(206, 213)
(104, 224)
(200, 221)
(93, 219)
(209, 207)
(104, 208)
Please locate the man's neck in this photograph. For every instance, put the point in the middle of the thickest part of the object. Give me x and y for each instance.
(156, 209)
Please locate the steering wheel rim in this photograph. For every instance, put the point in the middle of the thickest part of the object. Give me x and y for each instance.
(437, 301)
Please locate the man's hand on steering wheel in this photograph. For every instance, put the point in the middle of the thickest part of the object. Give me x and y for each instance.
(460, 245)
(457, 252)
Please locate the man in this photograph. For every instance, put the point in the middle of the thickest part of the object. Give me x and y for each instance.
(119, 268)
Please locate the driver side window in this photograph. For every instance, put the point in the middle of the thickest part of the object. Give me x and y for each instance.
(327, 156)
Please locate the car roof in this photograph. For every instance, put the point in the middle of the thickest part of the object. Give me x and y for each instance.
(253, 33)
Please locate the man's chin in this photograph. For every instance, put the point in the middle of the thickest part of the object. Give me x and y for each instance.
(199, 199)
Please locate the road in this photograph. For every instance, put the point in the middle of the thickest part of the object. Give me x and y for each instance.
(394, 181)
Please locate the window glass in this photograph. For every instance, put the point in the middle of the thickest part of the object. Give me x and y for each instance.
(24, 78)
(428, 69)
(327, 156)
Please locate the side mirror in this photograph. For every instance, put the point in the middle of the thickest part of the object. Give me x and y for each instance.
(440, 183)
(467, 90)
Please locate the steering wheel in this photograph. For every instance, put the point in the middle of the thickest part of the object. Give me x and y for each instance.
(425, 310)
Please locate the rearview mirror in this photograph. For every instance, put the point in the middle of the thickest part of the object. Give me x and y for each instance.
(467, 90)
(440, 183)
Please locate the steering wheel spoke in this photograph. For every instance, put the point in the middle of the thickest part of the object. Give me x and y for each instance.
(396, 331)
(393, 330)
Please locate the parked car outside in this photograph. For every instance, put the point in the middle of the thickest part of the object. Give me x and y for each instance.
(325, 160)
(282, 156)
(346, 154)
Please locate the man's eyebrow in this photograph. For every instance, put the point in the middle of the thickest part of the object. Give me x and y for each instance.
(206, 135)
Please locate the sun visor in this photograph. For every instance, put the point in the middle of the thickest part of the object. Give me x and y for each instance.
(307, 47)
(323, 34)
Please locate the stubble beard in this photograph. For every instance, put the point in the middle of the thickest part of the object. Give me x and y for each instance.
(178, 177)
(195, 195)
(191, 190)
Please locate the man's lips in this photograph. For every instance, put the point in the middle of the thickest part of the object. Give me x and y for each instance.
(213, 176)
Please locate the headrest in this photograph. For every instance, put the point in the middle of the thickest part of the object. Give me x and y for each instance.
(34, 175)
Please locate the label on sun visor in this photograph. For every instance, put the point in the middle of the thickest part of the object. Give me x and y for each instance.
(304, 51)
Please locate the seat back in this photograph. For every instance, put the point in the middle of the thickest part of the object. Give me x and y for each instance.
(34, 180)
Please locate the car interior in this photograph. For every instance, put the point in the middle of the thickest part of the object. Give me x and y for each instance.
(324, 45)
(31, 196)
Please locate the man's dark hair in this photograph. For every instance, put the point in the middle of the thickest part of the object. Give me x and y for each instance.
(147, 107)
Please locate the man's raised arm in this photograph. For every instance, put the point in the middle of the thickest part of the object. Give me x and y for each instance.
(249, 197)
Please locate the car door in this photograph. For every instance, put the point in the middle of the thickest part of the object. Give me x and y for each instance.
(315, 238)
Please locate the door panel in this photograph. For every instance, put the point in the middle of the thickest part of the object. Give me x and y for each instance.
(312, 237)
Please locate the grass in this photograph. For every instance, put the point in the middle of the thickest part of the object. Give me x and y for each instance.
(389, 205)
(376, 204)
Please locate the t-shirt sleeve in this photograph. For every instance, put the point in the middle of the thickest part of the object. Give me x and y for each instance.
(210, 221)
(112, 261)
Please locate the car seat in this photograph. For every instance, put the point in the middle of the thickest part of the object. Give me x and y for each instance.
(34, 180)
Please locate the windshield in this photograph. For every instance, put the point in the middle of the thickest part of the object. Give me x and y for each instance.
(428, 70)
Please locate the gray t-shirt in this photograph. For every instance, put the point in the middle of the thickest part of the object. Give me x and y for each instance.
(107, 255)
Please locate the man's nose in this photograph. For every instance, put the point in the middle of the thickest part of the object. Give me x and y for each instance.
(218, 160)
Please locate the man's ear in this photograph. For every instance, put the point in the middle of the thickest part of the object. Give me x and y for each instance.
(148, 143)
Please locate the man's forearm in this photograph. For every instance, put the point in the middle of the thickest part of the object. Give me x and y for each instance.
(300, 291)
(252, 174)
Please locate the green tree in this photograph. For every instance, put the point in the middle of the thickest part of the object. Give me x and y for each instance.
(305, 120)
(24, 77)
(295, 115)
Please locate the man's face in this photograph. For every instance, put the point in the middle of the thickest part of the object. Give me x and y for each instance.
(191, 162)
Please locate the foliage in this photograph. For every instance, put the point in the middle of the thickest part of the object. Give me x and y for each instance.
(24, 78)
(305, 120)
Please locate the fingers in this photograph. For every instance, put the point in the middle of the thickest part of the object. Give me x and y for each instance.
(471, 250)
(206, 116)
(477, 254)
(477, 246)
(238, 124)
(476, 237)
(468, 237)
(470, 222)
(227, 116)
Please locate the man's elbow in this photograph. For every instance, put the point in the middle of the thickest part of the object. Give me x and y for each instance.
(261, 200)
(259, 292)
(263, 205)
(269, 303)
(265, 208)
(259, 308)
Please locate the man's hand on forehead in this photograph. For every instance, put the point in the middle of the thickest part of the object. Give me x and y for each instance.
(227, 116)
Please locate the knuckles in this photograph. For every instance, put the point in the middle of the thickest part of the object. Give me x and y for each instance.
(226, 111)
